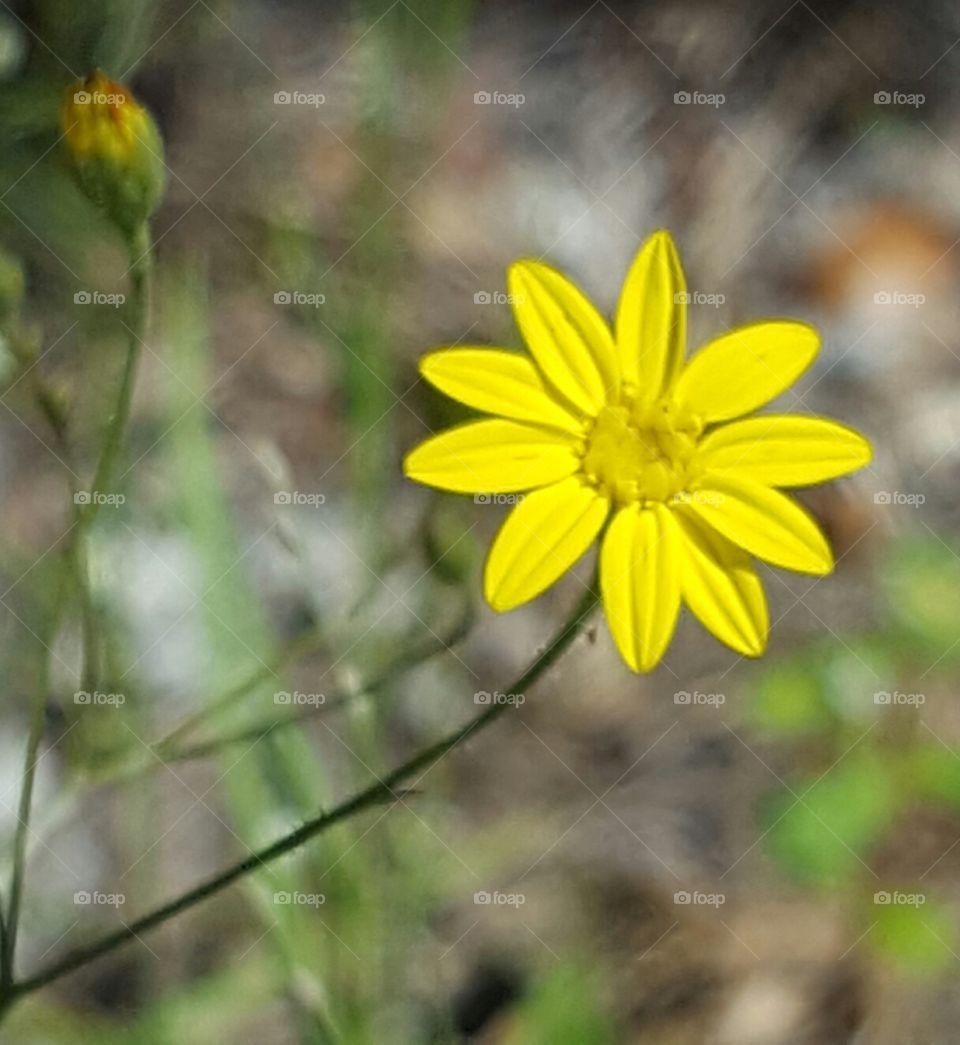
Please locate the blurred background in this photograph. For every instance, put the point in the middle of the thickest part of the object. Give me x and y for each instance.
(724, 851)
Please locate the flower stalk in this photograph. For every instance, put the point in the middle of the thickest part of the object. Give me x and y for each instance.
(115, 152)
(381, 791)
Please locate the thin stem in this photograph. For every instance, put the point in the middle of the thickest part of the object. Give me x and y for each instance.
(76, 562)
(167, 746)
(104, 475)
(141, 265)
(34, 736)
(383, 790)
(53, 412)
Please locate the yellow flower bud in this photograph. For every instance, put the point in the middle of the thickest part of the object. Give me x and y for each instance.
(114, 148)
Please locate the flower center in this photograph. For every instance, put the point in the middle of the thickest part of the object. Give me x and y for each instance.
(642, 452)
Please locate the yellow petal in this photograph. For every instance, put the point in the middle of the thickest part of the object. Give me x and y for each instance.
(763, 522)
(721, 587)
(746, 368)
(640, 580)
(542, 538)
(497, 382)
(782, 450)
(651, 323)
(565, 334)
(493, 457)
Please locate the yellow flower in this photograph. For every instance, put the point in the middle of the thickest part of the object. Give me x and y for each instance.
(114, 148)
(615, 433)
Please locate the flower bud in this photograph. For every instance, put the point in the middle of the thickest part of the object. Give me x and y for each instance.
(114, 149)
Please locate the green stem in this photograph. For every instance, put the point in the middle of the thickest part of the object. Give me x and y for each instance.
(140, 271)
(53, 412)
(34, 736)
(141, 258)
(382, 790)
(76, 559)
(167, 746)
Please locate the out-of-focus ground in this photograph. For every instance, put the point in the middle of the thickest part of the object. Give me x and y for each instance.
(758, 853)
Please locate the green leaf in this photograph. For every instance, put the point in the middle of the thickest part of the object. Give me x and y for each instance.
(934, 773)
(922, 580)
(826, 837)
(563, 1010)
(789, 701)
(919, 937)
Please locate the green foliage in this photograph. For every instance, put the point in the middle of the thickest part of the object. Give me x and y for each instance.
(823, 832)
(875, 761)
(922, 583)
(919, 937)
(562, 1009)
